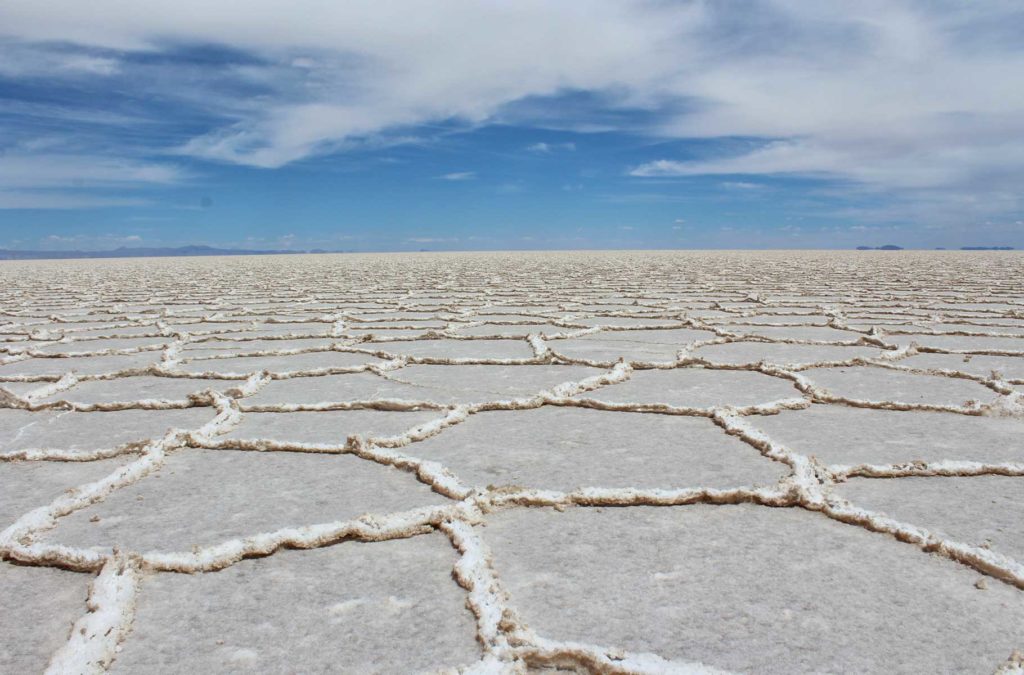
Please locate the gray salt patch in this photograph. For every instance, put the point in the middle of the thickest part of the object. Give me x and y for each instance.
(479, 384)
(86, 365)
(334, 388)
(456, 349)
(696, 387)
(84, 431)
(383, 607)
(554, 448)
(138, 388)
(1010, 367)
(880, 384)
(821, 333)
(960, 342)
(516, 329)
(977, 510)
(330, 427)
(205, 497)
(37, 607)
(780, 354)
(25, 486)
(750, 589)
(104, 343)
(282, 363)
(839, 434)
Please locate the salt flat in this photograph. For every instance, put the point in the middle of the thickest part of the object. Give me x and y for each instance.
(622, 462)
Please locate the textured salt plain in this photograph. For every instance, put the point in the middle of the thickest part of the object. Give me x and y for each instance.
(628, 462)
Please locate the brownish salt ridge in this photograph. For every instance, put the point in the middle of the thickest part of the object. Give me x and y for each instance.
(622, 462)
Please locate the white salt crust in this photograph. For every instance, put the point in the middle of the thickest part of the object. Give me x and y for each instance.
(734, 339)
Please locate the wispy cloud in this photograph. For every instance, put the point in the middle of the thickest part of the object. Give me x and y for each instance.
(907, 98)
(86, 241)
(331, 75)
(459, 175)
(63, 181)
(46, 199)
(54, 61)
(431, 240)
(546, 148)
(79, 171)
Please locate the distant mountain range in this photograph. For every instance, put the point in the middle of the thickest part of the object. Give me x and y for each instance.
(124, 252)
(893, 247)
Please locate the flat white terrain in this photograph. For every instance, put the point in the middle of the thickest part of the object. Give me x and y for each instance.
(633, 462)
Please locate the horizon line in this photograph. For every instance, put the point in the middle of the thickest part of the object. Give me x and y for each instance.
(179, 251)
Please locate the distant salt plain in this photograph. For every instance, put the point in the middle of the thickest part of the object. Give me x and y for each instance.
(765, 462)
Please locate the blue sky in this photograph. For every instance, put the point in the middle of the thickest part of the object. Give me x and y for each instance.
(485, 125)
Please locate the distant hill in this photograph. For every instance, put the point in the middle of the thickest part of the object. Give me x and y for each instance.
(986, 248)
(887, 247)
(124, 252)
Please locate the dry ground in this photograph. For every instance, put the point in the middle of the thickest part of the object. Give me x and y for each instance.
(624, 462)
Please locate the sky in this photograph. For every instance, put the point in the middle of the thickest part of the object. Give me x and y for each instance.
(472, 124)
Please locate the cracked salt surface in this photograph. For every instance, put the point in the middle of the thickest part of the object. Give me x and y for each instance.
(696, 388)
(329, 360)
(1010, 367)
(486, 463)
(982, 510)
(327, 428)
(45, 433)
(38, 607)
(876, 384)
(203, 497)
(781, 354)
(140, 388)
(457, 349)
(93, 365)
(27, 485)
(555, 448)
(865, 436)
(355, 608)
(749, 589)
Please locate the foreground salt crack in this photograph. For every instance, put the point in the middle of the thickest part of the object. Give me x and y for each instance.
(613, 463)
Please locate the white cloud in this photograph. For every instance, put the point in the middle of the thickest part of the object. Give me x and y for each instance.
(345, 71)
(95, 65)
(459, 175)
(86, 241)
(880, 165)
(907, 96)
(38, 61)
(431, 240)
(79, 171)
(47, 199)
(545, 148)
(66, 181)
